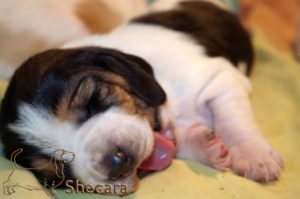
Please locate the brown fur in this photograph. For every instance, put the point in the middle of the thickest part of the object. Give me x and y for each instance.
(97, 16)
(276, 18)
(133, 105)
(114, 90)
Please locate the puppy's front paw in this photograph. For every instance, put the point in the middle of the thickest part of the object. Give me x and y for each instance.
(256, 160)
(199, 143)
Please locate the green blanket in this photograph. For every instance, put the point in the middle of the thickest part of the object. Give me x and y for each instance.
(276, 101)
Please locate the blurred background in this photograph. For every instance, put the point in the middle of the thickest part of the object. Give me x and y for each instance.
(37, 25)
(278, 19)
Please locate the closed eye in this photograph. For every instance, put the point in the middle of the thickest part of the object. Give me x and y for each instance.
(96, 104)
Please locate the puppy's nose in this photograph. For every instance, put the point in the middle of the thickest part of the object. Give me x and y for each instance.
(120, 163)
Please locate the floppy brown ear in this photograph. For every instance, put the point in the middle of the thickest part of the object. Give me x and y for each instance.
(137, 73)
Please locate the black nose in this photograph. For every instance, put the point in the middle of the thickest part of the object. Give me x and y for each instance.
(120, 164)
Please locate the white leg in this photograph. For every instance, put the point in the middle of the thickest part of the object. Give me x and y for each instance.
(251, 155)
(199, 143)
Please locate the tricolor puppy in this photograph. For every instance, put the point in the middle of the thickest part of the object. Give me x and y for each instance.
(102, 97)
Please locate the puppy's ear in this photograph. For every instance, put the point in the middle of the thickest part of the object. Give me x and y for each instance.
(136, 72)
(143, 82)
(142, 64)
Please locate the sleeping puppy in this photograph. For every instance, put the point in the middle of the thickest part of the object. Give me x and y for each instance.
(179, 70)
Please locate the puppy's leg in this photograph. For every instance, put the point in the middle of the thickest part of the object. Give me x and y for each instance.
(228, 100)
(194, 142)
(199, 143)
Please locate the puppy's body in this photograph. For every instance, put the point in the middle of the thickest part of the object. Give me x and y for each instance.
(198, 70)
(186, 79)
(199, 73)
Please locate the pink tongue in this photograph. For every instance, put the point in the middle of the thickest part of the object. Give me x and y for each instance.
(162, 155)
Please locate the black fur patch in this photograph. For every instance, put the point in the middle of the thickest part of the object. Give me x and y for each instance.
(218, 30)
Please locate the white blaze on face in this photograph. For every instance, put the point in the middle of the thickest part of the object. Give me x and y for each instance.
(101, 134)
(89, 141)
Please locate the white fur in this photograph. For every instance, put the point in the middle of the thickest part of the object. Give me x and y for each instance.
(113, 127)
(90, 140)
(183, 77)
(39, 128)
(200, 89)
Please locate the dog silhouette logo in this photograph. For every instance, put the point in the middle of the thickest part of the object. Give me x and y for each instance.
(57, 161)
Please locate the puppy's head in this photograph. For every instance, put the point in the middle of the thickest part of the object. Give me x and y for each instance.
(99, 103)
